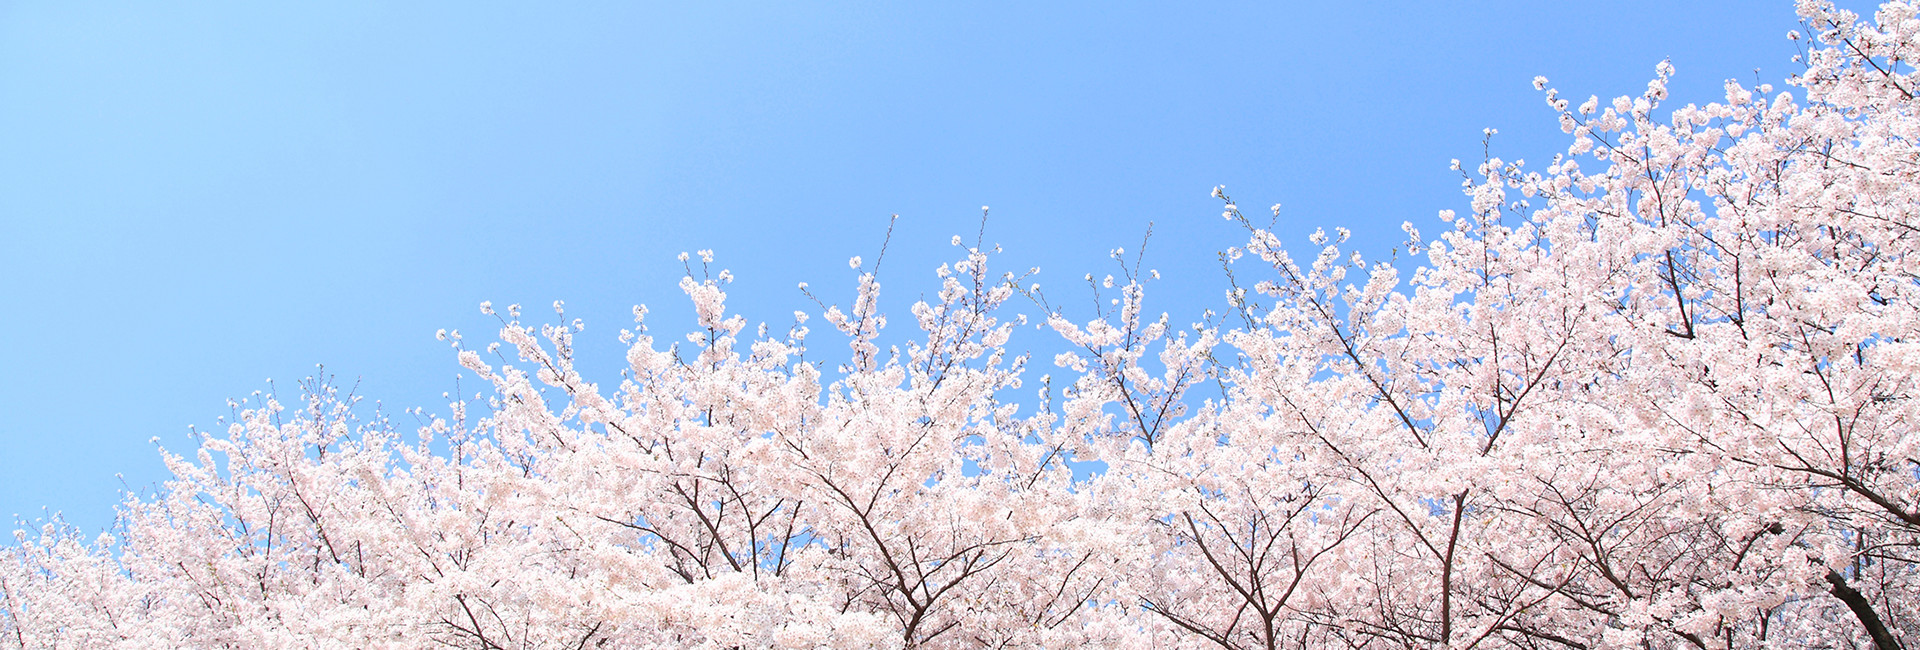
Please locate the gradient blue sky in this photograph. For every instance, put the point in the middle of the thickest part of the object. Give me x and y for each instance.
(196, 197)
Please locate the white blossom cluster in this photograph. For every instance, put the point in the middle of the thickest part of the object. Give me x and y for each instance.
(1660, 394)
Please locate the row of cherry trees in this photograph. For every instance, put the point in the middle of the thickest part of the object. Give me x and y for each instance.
(1657, 394)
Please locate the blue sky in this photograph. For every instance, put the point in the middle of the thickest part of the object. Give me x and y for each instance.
(196, 198)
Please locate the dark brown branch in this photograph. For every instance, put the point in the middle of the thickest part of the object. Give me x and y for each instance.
(1863, 610)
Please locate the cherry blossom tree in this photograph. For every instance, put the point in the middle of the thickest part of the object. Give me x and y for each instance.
(1658, 392)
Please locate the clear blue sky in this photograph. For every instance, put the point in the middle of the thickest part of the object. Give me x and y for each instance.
(195, 197)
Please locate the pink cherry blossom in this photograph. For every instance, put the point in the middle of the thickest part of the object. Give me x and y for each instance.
(1657, 393)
